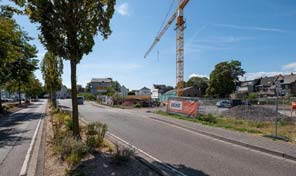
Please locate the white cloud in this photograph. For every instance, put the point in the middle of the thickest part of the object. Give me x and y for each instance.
(289, 67)
(123, 9)
(198, 75)
(118, 67)
(255, 75)
(254, 28)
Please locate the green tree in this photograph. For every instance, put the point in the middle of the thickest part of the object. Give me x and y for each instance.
(10, 36)
(223, 78)
(88, 88)
(200, 82)
(23, 67)
(116, 86)
(52, 70)
(6, 32)
(33, 88)
(68, 29)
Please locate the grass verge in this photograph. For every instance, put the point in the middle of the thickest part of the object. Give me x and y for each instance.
(286, 130)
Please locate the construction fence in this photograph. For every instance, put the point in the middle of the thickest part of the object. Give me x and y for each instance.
(258, 110)
(263, 109)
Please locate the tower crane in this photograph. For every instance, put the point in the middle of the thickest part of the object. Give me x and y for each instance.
(178, 14)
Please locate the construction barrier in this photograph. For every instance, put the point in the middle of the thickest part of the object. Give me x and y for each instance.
(182, 106)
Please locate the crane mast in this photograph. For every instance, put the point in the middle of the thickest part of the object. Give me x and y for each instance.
(180, 52)
(179, 44)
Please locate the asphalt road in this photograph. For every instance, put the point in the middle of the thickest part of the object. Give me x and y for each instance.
(189, 152)
(16, 132)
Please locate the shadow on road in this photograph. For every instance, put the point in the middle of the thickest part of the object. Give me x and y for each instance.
(188, 171)
(11, 129)
(12, 137)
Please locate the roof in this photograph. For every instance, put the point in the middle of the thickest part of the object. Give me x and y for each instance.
(171, 91)
(184, 89)
(162, 86)
(267, 81)
(145, 88)
(101, 80)
(249, 82)
(288, 79)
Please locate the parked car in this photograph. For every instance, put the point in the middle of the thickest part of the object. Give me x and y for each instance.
(224, 104)
(4, 99)
(80, 100)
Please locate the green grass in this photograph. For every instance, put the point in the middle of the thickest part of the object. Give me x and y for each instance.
(254, 127)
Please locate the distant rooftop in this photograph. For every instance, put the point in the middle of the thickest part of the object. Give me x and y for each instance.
(101, 80)
(145, 88)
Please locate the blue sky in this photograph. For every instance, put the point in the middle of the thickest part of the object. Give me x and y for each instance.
(261, 34)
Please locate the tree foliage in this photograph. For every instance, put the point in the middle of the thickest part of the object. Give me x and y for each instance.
(223, 78)
(200, 82)
(52, 70)
(68, 29)
(16, 53)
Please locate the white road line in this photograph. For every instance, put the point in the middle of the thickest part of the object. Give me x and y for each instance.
(28, 155)
(145, 153)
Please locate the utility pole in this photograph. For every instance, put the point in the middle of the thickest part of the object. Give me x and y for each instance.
(277, 91)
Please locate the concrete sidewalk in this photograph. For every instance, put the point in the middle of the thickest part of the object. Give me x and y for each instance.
(277, 148)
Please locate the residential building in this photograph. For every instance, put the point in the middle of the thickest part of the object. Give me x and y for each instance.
(143, 92)
(266, 86)
(289, 85)
(124, 91)
(247, 86)
(100, 85)
(158, 90)
(192, 91)
(63, 93)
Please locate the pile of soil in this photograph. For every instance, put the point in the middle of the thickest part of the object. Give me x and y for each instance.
(254, 113)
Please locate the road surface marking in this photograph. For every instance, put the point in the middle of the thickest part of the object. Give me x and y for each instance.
(150, 156)
(28, 155)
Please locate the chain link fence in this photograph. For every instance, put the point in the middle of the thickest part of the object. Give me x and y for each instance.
(263, 109)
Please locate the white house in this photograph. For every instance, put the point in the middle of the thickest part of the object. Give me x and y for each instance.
(158, 90)
(143, 92)
(124, 91)
(63, 93)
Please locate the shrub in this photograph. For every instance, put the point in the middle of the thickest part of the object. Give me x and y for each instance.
(95, 134)
(122, 154)
(88, 96)
(138, 105)
(71, 146)
(210, 118)
(68, 123)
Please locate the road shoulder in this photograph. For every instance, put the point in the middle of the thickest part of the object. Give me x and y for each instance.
(276, 148)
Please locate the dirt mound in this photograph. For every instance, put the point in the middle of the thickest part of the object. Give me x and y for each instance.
(254, 113)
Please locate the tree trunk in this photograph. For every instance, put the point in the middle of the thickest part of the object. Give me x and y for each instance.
(19, 92)
(54, 99)
(1, 108)
(74, 99)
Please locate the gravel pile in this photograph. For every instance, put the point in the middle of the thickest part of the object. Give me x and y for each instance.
(254, 113)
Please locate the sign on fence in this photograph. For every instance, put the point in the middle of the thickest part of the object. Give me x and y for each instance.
(182, 106)
(294, 105)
